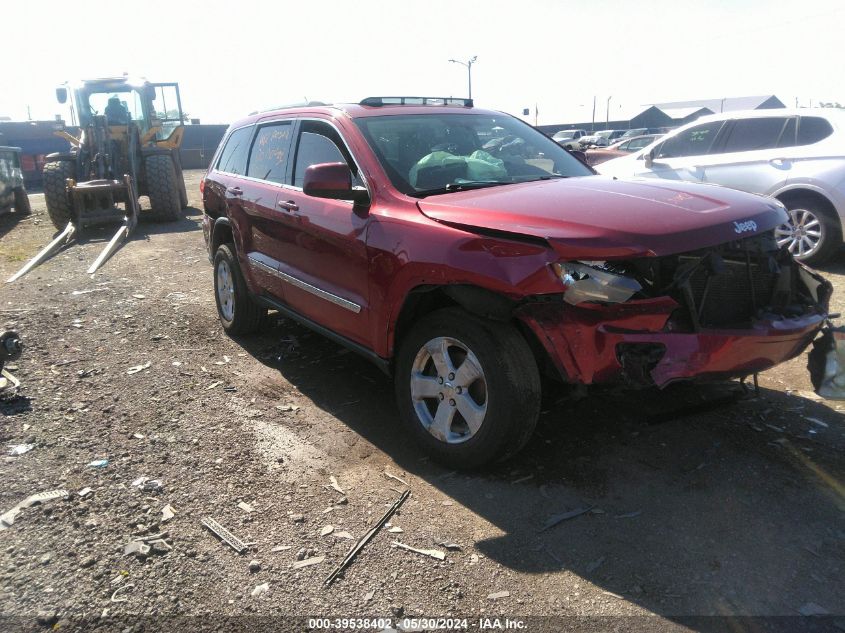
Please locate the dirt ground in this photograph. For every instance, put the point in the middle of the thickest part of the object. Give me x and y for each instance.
(700, 503)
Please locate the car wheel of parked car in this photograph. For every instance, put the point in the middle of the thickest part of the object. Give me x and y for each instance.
(811, 235)
(22, 201)
(468, 389)
(238, 313)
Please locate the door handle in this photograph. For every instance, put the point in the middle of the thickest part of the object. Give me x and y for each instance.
(778, 162)
(288, 205)
(235, 191)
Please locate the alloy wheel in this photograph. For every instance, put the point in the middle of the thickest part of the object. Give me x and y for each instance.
(448, 390)
(225, 290)
(802, 235)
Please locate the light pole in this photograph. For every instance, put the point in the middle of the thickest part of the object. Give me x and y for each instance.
(468, 65)
(607, 121)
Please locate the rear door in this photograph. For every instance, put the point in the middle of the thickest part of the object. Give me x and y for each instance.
(267, 172)
(749, 155)
(323, 254)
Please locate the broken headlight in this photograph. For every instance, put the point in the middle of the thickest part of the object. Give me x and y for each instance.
(588, 281)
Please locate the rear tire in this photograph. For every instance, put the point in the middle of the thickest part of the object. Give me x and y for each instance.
(163, 188)
(22, 202)
(59, 207)
(490, 387)
(180, 179)
(238, 313)
(821, 230)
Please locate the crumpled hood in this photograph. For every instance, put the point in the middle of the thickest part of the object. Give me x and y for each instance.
(597, 217)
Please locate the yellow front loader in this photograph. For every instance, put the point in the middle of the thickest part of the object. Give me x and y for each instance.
(131, 132)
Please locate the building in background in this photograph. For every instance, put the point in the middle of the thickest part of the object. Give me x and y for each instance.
(669, 115)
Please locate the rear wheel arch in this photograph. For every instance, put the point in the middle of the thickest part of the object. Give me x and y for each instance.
(820, 206)
(221, 234)
(791, 195)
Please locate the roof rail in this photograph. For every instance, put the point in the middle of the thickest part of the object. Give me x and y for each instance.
(300, 104)
(440, 101)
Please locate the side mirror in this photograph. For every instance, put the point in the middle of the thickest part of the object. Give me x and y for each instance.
(61, 94)
(334, 181)
(648, 158)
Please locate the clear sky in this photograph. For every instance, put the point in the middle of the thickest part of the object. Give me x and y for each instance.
(237, 56)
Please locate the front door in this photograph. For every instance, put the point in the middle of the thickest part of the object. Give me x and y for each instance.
(683, 156)
(324, 253)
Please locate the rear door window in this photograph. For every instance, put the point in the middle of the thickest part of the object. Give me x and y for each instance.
(787, 137)
(747, 135)
(268, 159)
(234, 154)
(695, 141)
(812, 129)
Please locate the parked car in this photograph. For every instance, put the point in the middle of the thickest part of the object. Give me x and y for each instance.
(602, 138)
(796, 156)
(622, 147)
(640, 131)
(570, 139)
(467, 254)
(12, 190)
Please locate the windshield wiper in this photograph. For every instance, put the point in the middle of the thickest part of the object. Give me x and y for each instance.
(459, 186)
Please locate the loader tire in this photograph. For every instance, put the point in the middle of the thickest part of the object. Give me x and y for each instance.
(22, 202)
(59, 207)
(180, 178)
(163, 188)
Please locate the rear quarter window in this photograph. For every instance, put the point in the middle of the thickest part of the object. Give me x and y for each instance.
(812, 129)
(235, 152)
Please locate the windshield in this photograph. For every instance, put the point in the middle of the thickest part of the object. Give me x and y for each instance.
(119, 107)
(434, 153)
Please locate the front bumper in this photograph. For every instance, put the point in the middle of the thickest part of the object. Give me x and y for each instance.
(630, 343)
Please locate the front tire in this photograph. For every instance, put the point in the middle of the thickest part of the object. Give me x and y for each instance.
(468, 389)
(238, 313)
(22, 202)
(59, 208)
(812, 235)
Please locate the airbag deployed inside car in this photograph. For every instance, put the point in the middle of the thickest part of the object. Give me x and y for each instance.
(479, 165)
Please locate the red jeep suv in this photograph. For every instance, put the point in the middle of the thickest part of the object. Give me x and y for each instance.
(467, 254)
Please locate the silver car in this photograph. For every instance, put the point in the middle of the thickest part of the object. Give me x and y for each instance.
(794, 155)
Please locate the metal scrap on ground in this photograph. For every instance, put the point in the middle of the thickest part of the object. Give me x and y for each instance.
(359, 545)
(434, 553)
(224, 535)
(8, 518)
(399, 479)
(335, 485)
(560, 518)
(167, 513)
(314, 560)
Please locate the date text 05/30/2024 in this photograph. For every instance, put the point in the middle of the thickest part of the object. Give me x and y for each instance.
(414, 624)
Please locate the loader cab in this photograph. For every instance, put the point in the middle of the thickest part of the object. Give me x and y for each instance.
(154, 108)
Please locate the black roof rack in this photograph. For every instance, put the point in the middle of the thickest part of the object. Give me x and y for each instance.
(440, 101)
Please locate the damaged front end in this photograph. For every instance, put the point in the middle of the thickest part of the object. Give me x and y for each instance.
(722, 312)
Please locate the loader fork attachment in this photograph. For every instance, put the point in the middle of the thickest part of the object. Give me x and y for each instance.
(71, 231)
